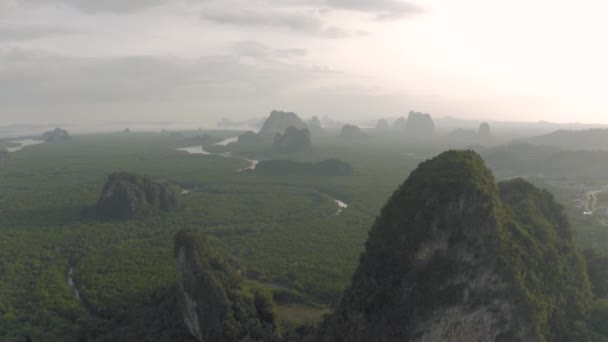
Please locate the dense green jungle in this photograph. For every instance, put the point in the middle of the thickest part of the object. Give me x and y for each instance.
(68, 275)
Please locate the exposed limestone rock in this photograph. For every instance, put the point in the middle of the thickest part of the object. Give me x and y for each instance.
(420, 124)
(352, 132)
(211, 299)
(447, 260)
(294, 140)
(279, 122)
(126, 195)
(57, 134)
(382, 125)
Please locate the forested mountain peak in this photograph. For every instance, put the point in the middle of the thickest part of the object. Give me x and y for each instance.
(279, 121)
(352, 132)
(128, 195)
(590, 139)
(58, 134)
(212, 301)
(420, 123)
(293, 140)
(447, 259)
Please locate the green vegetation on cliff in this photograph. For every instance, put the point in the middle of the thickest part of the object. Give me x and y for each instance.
(127, 195)
(212, 300)
(447, 259)
(541, 259)
(293, 140)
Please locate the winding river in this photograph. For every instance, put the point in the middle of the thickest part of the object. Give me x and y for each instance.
(252, 163)
(201, 150)
(23, 143)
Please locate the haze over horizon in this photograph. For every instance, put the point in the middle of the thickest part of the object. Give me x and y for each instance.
(199, 61)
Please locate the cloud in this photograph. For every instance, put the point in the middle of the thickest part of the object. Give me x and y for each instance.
(289, 53)
(292, 19)
(34, 78)
(93, 6)
(382, 9)
(30, 33)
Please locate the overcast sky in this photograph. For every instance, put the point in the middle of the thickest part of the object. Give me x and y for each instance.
(198, 61)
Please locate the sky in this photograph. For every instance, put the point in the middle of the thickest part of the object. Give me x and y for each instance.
(197, 61)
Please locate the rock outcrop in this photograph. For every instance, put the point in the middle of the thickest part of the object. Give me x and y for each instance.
(382, 125)
(127, 195)
(249, 137)
(420, 124)
(464, 135)
(315, 125)
(352, 132)
(453, 259)
(211, 299)
(484, 132)
(329, 167)
(57, 134)
(400, 124)
(279, 122)
(294, 140)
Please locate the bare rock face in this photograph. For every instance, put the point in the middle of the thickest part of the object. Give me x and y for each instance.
(57, 134)
(400, 124)
(294, 140)
(484, 131)
(315, 125)
(352, 132)
(211, 301)
(420, 124)
(382, 125)
(127, 195)
(447, 261)
(279, 122)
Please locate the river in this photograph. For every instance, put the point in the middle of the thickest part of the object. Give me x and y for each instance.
(193, 150)
(23, 143)
(252, 163)
(341, 206)
(201, 150)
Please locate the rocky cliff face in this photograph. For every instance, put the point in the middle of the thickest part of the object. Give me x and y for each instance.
(57, 134)
(400, 124)
(279, 122)
(211, 301)
(420, 124)
(382, 125)
(315, 125)
(352, 132)
(294, 140)
(447, 261)
(127, 195)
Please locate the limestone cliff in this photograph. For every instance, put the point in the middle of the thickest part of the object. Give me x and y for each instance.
(279, 122)
(126, 195)
(382, 125)
(420, 124)
(211, 299)
(447, 260)
(484, 131)
(352, 132)
(294, 140)
(57, 134)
